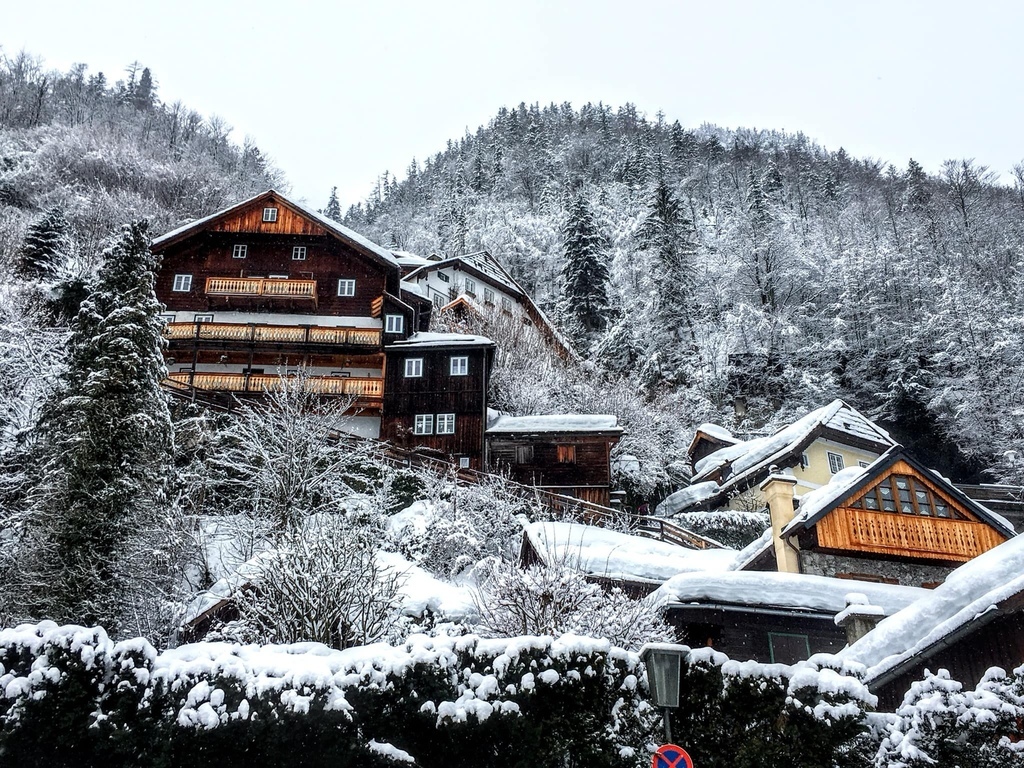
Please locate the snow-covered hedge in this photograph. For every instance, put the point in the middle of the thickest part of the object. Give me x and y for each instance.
(71, 696)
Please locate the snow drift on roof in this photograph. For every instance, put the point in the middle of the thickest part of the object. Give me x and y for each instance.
(688, 497)
(971, 590)
(784, 590)
(602, 552)
(763, 451)
(717, 431)
(425, 339)
(558, 422)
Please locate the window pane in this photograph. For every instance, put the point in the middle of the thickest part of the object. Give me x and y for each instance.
(870, 501)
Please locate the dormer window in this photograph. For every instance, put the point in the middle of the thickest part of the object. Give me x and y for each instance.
(394, 323)
(270, 215)
(299, 253)
(240, 252)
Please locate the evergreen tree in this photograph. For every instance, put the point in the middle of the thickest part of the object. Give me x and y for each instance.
(333, 209)
(47, 244)
(584, 303)
(107, 434)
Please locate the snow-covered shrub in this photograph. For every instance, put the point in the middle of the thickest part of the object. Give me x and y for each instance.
(730, 527)
(939, 723)
(556, 599)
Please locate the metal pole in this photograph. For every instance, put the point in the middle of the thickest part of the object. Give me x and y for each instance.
(668, 726)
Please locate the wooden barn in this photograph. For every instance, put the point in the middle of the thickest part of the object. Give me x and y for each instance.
(568, 454)
(435, 396)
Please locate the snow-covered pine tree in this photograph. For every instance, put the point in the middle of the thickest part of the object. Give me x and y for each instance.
(333, 209)
(47, 244)
(584, 303)
(107, 436)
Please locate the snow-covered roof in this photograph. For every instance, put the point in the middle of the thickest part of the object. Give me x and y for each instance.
(817, 503)
(558, 422)
(481, 261)
(414, 288)
(794, 591)
(750, 456)
(688, 497)
(969, 593)
(407, 259)
(717, 431)
(430, 339)
(329, 224)
(606, 553)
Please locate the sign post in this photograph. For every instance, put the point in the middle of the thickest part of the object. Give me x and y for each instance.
(671, 756)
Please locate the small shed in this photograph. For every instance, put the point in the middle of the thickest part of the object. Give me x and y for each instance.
(569, 454)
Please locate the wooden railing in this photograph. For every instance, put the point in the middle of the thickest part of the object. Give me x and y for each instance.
(261, 286)
(363, 388)
(936, 538)
(281, 334)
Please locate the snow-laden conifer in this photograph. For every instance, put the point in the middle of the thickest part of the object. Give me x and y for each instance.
(584, 303)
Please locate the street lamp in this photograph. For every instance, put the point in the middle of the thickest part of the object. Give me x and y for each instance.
(664, 663)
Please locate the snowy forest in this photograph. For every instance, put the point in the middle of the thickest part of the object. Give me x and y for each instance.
(746, 264)
(382, 615)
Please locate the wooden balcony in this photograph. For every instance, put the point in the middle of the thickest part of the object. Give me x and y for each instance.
(252, 333)
(365, 390)
(261, 287)
(891, 533)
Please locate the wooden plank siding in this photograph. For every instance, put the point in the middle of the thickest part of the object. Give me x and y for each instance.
(590, 468)
(209, 256)
(435, 392)
(947, 539)
(250, 221)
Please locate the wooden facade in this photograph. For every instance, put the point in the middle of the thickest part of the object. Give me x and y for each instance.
(558, 458)
(422, 381)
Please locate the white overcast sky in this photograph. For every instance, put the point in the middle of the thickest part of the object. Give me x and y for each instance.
(338, 92)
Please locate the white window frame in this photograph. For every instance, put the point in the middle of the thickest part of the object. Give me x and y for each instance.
(459, 366)
(836, 463)
(470, 287)
(506, 303)
(463, 462)
(488, 296)
(346, 287)
(240, 251)
(863, 464)
(202, 318)
(439, 300)
(299, 253)
(423, 424)
(270, 215)
(167, 318)
(445, 424)
(394, 323)
(182, 283)
(414, 367)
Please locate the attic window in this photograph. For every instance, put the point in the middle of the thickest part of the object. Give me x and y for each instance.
(906, 495)
(270, 214)
(835, 462)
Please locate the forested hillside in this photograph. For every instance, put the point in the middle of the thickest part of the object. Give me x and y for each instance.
(102, 153)
(702, 265)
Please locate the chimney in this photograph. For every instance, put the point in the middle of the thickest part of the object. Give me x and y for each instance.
(859, 617)
(778, 495)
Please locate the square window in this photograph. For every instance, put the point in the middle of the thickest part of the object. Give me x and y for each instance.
(566, 454)
(459, 366)
(488, 296)
(299, 253)
(346, 287)
(835, 462)
(785, 648)
(413, 367)
(463, 462)
(443, 277)
(239, 251)
(524, 454)
(424, 424)
(182, 283)
(270, 214)
(446, 423)
(470, 287)
(394, 323)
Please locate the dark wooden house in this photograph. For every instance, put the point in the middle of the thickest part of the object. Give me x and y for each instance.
(266, 287)
(435, 396)
(567, 454)
(973, 621)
